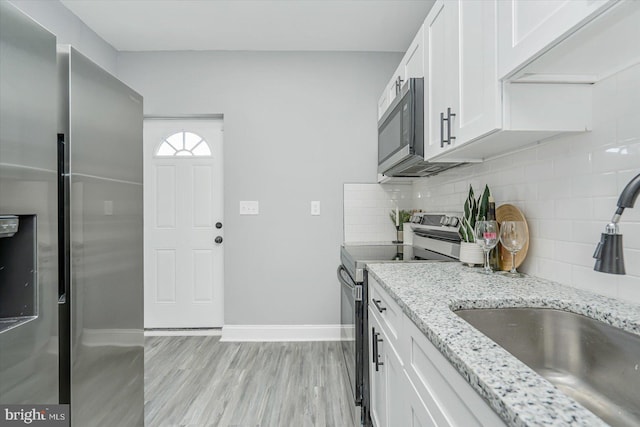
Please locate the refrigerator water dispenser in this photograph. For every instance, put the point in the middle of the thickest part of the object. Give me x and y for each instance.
(18, 278)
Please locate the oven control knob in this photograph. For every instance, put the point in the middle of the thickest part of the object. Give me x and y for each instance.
(444, 220)
(454, 221)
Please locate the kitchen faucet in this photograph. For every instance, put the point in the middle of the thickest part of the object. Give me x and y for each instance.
(609, 254)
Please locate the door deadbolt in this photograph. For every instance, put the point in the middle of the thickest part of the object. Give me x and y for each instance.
(218, 225)
(218, 239)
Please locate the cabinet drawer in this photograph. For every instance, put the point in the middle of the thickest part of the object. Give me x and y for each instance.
(450, 400)
(386, 309)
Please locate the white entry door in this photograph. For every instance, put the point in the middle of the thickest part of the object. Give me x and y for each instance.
(183, 223)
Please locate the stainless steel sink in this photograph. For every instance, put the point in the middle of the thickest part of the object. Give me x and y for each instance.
(592, 362)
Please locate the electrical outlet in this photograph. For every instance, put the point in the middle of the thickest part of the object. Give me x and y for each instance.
(249, 207)
(315, 207)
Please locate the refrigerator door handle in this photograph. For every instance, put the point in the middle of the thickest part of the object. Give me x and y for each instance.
(63, 220)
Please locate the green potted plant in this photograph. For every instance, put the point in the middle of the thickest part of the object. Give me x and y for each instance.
(471, 253)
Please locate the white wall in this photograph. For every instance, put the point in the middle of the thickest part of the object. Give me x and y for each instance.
(69, 29)
(567, 189)
(297, 126)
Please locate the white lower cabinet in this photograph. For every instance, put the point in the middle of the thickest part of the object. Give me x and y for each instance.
(412, 383)
(419, 414)
(386, 375)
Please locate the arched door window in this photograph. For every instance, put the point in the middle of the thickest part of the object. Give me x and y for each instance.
(183, 144)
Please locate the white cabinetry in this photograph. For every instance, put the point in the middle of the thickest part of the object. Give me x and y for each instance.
(527, 28)
(386, 376)
(411, 382)
(503, 74)
(472, 115)
(412, 65)
(463, 93)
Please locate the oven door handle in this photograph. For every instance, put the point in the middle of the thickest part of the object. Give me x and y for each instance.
(345, 280)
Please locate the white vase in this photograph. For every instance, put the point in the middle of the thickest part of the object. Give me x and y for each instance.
(471, 254)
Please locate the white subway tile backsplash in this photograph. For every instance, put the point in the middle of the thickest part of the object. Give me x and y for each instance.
(574, 208)
(587, 231)
(628, 130)
(554, 270)
(595, 185)
(632, 261)
(603, 209)
(615, 157)
(574, 164)
(587, 278)
(574, 253)
(538, 170)
(631, 234)
(555, 229)
(629, 288)
(554, 189)
(539, 209)
(367, 208)
(628, 91)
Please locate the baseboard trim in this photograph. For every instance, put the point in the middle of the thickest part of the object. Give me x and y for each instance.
(188, 332)
(268, 333)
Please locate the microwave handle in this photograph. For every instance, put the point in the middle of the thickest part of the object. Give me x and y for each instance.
(442, 130)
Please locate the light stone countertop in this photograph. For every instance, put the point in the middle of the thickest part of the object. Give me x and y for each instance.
(428, 292)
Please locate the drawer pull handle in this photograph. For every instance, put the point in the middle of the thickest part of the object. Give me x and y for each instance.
(377, 302)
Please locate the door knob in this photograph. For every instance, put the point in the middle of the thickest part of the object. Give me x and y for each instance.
(218, 239)
(218, 225)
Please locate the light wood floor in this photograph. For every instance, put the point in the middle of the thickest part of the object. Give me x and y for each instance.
(199, 381)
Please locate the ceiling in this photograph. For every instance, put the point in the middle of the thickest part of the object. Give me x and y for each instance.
(307, 25)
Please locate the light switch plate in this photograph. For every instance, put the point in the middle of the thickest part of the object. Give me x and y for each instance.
(315, 207)
(108, 207)
(249, 207)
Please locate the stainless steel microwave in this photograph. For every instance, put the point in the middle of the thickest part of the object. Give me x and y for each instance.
(401, 128)
(401, 133)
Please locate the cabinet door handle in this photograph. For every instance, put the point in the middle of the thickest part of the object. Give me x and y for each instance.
(442, 119)
(449, 136)
(376, 356)
(374, 345)
(399, 82)
(377, 302)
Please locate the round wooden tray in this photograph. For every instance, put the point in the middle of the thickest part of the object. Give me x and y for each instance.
(508, 212)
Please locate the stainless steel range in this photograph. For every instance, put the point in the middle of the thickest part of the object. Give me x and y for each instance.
(435, 239)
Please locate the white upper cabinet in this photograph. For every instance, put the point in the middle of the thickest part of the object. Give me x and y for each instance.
(472, 114)
(412, 65)
(413, 60)
(441, 58)
(602, 47)
(463, 92)
(527, 28)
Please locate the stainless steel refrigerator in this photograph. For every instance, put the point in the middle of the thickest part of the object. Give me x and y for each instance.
(71, 284)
